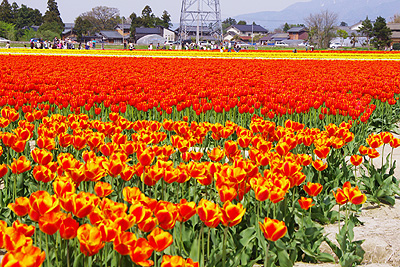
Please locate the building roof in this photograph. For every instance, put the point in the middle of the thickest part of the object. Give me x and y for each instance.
(142, 30)
(203, 29)
(297, 30)
(394, 26)
(250, 28)
(280, 36)
(395, 35)
(110, 34)
(125, 25)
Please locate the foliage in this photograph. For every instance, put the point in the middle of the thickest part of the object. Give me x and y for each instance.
(83, 26)
(7, 31)
(100, 18)
(228, 22)
(27, 16)
(342, 34)
(52, 19)
(381, 33)
(396, 46)
(321, 27)
(6, 12)
(242, 22)
(366, 30)
(395, 18)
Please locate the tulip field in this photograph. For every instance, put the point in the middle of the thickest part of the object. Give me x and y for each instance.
(192, 158)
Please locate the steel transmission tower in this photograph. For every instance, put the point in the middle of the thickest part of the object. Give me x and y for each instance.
(202, 17)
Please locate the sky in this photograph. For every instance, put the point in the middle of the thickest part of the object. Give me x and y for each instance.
(70, 9)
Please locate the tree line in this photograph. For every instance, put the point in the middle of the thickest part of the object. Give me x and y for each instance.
(16, 22)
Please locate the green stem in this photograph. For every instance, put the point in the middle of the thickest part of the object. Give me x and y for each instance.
(224, 247)
(200, 235)
(47, 252)
(266, 255)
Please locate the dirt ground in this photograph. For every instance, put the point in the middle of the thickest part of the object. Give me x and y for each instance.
(381, 232)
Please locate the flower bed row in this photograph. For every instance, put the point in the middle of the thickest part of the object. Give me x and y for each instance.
(129, 191)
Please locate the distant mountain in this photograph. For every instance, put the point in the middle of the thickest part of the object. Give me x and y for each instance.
(349, 11)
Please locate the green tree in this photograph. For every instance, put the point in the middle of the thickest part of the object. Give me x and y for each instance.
(353, 39)
(366, 30)
(242, 22)
(52, 19)
(381, 33)
(227, 22)
(102, 18)
(343, 24)
(342, 34)
(27, 16)
(148, 18)
(7, 30)
(6, 12)
(135, 23)
(83, 27)
(286, 27)
(166, 19)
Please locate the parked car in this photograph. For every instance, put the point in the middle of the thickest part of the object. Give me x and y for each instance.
(335, 45)
(280, 43)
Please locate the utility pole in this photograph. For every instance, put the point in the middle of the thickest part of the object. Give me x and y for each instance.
(200, 16)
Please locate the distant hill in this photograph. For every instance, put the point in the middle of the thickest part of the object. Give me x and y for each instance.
(349, 11)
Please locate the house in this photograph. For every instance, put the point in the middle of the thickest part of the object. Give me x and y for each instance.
(244, 32)
(298, 33)
(123, 29)
(112, 37)
(69, 32)
(280, 37)
(189, 32)
(395, 28)
(167, 34)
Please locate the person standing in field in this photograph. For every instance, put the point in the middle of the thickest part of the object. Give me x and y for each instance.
(8, 46)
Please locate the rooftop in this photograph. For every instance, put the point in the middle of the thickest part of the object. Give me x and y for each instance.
(250, 28)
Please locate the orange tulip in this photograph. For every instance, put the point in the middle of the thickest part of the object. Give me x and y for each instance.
(43, 174)
(148, 225)
(68, 228)
(356, 160)
(340, 197)
(273, 229)
(3, 170)
(227, 193)
(173, 261)
(26, 230)
(186, 210)
(146, 157)
(159, 239)
(322, 152)
(319, 165)
(13, 239)
(216, 154)
(166, 214)
(305, 203)
(108, 231)
(20, 165)
(312, 189)
(354, 195)
(28, 256)
(232, 214)
(102, 189)
(209, 213)
(90, 239)
(20, 207)
(84, 203)
(41, 156)
(125, 242)
(373, 153)
(62, 185)
(40, 203)
(141, 253)
(50, 222)
(140, 212)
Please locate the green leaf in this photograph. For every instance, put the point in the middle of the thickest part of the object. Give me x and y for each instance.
(284, 259)
(247, 235)
(325, 257)
(78, 262)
